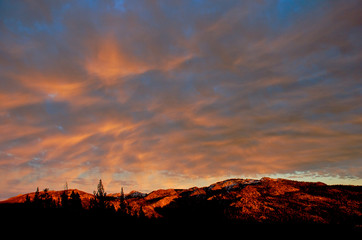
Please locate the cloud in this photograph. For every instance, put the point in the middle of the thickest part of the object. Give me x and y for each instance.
(154, 94)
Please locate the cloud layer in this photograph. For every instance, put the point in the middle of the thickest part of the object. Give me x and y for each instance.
(152, 94)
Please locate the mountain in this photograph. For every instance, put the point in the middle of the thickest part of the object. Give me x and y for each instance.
(238, 200)
(54, 195)
(257, 201)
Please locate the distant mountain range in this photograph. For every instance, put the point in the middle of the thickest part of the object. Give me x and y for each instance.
(234, 200)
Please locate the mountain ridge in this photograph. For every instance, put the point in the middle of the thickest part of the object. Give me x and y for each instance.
(264, 200)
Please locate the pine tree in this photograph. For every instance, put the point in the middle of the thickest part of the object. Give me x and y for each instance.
(122, 194)
(46, 199)
(27, 201)
(64, 199)
(100, 190)
(122, 203)
(37, 200)
(99, 200)
(75, 201)
(36, 193)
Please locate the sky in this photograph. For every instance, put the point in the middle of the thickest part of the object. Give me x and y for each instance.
(174, 94)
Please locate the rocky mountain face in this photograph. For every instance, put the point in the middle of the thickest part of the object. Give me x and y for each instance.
(266, 200)
(244, 200)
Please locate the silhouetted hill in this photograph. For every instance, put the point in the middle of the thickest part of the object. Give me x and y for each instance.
(54, 195)
(231, 201)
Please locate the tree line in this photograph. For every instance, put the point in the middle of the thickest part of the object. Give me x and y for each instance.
(70, 200)
(45, 200)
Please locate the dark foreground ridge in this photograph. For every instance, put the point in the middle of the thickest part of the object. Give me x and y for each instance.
(233, 201)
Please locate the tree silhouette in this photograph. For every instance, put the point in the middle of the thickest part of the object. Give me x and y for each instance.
(27, 201)
(75, 202)
(100, 193)
(122, 194)
(122, 204)
(100, 198)
(36, 196)
(46, 199)
(37, 200)
(64, 199)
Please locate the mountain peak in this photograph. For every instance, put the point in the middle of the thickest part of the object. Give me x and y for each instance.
(232, 183)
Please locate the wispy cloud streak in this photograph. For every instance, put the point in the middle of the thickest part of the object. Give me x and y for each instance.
(151, 94)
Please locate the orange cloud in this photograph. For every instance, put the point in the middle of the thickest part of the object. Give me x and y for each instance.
(180, 97)
(109, 61)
